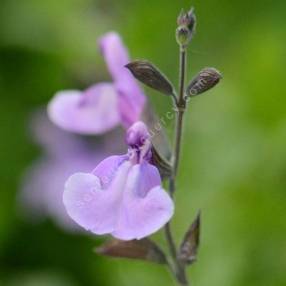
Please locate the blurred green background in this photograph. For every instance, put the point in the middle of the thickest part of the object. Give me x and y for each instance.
(234, 162)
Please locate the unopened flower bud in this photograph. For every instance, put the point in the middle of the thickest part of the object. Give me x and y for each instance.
(186, 27)
(187, 19)
(205, 80)
(137, 134)
(183, 36)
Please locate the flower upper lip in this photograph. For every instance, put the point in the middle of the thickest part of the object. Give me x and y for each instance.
(102, 106)
(138, 140)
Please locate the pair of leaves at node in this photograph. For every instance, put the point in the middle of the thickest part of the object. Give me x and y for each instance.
(150, 75)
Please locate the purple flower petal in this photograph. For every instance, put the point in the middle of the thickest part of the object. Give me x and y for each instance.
(115, 55)
(146, 207)
(131, 206)
(106, 169)
(93, 111)
(131, 97)
(91, 206)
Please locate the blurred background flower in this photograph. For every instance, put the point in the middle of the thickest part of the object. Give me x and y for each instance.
(234, 163)
(64, 154)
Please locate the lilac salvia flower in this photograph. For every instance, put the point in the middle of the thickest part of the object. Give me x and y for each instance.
(102, 106)
(123, 195)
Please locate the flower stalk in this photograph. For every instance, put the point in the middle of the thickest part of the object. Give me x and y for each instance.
(180, 106)
(204, 81)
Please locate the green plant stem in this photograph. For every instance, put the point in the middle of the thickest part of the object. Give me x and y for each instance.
(180, 106)
(180, 109)
(170, 240)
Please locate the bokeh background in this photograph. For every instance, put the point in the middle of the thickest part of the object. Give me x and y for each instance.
(234, 162)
